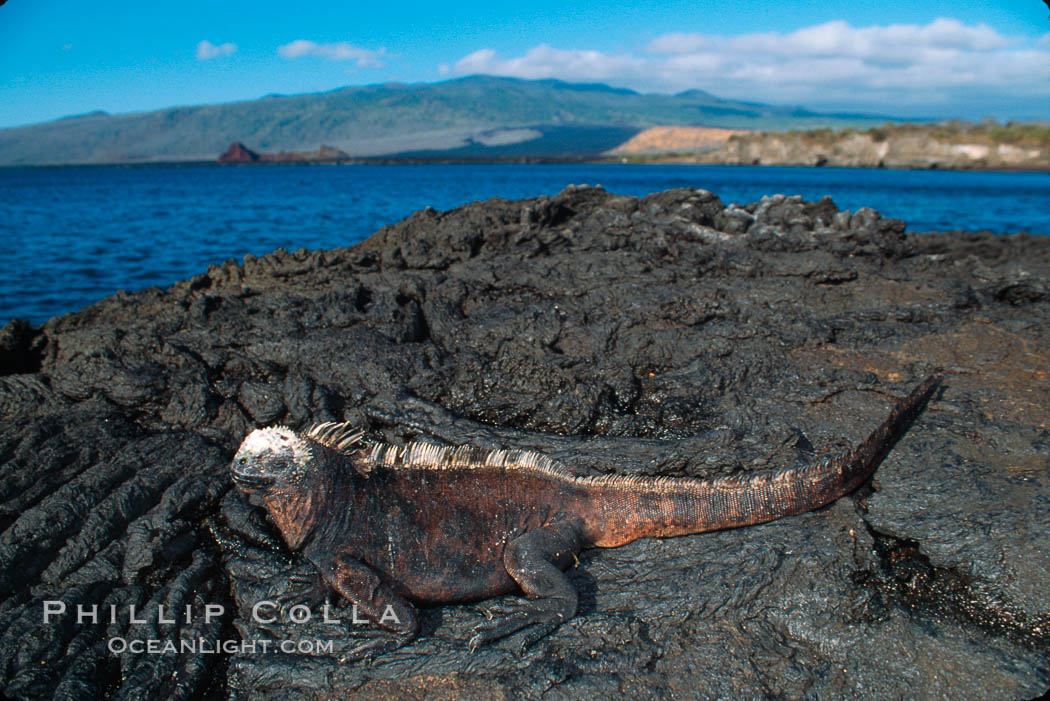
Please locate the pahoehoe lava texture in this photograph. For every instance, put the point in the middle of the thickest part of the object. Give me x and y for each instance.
(668, 335)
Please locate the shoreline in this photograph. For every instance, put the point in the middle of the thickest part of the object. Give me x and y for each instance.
(232, 204)
(640, 160)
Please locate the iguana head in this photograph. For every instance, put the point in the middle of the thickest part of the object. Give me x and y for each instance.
(279, 465)
(271, 461)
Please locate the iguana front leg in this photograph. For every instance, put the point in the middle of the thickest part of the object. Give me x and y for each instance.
(303, 586)
(535, 560)
(362, 586)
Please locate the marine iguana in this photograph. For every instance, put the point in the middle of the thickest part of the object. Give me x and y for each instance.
(387, 525)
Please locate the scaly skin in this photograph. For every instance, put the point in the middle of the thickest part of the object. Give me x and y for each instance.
(388, 525)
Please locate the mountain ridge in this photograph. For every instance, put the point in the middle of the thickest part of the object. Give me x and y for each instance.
(388, 119)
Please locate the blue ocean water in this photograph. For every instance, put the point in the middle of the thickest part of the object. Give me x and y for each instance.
(74, 235)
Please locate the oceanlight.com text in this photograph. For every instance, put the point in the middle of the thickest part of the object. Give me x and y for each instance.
(202, 646)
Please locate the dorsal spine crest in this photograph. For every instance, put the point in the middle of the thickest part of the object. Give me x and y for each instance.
(340, 436)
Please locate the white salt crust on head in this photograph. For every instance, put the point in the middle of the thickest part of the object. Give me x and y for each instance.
(275, 439)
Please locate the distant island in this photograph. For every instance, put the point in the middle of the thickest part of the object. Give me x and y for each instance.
(491, 119)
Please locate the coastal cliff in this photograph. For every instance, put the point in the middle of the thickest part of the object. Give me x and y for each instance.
(672, 335)
(950, 146)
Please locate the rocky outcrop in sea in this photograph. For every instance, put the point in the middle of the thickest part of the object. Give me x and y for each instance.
(669, 335)
(238, 153)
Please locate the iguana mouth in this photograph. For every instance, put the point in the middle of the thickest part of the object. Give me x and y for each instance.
(252, 481)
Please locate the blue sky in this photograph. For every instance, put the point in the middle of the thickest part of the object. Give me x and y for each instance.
(969, 59)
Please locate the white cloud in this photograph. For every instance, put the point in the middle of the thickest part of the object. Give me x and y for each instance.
(341, 51)
(207, 50)
(943, 65)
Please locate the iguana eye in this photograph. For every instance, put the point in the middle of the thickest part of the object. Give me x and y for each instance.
(243, 461)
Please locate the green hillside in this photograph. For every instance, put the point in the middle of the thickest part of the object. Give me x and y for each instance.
(470, 115)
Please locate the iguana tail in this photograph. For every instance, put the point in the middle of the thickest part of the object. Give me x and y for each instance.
(623, 509)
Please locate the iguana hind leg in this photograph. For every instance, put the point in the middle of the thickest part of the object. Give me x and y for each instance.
(535, 561)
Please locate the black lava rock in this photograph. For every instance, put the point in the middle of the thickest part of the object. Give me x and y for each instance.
(667, 335)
